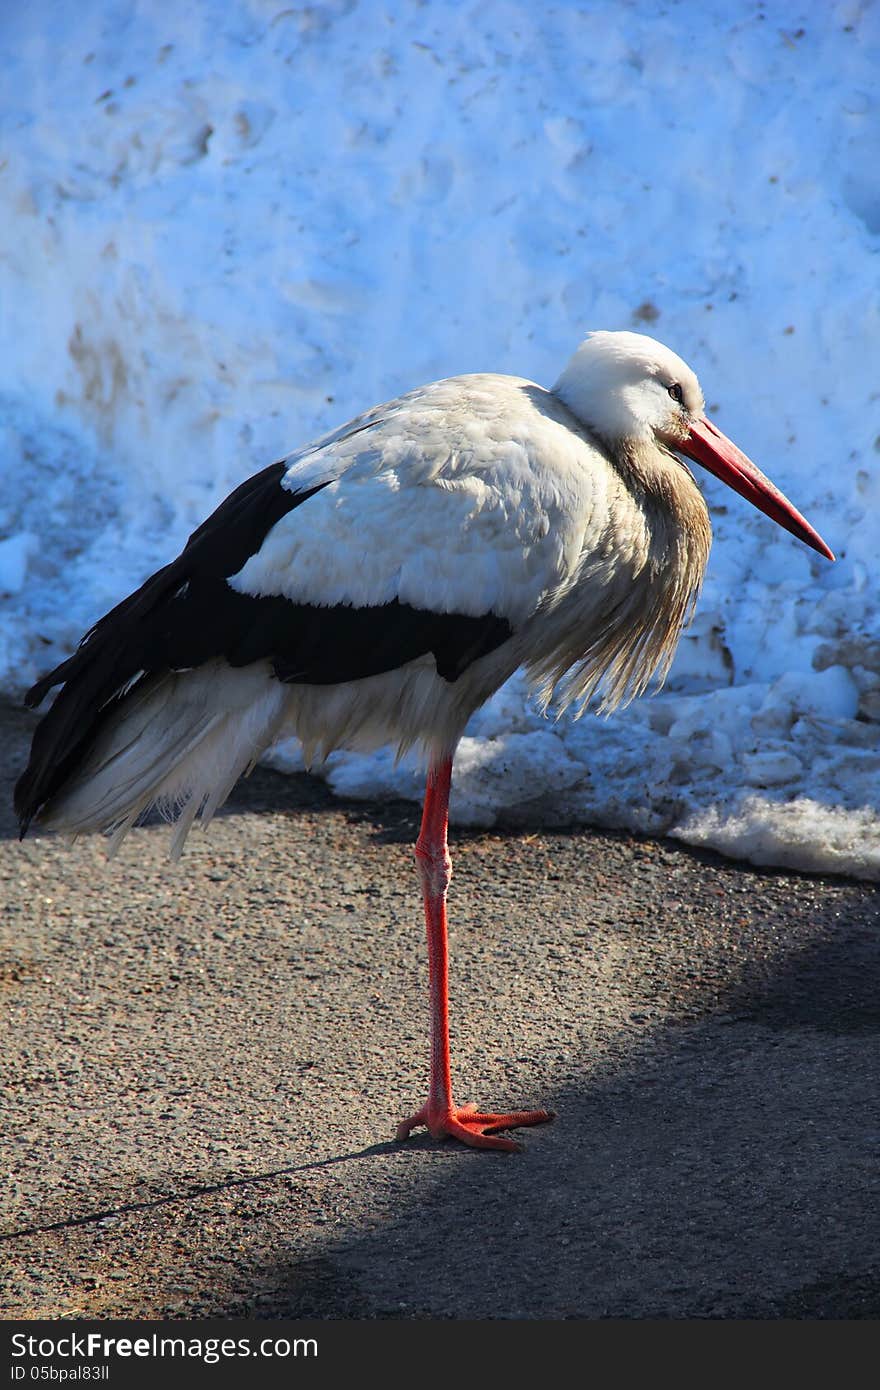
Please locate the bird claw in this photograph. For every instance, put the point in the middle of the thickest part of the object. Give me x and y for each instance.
(474, 1127)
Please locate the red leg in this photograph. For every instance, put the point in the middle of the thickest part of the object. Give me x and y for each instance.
(438, 1113)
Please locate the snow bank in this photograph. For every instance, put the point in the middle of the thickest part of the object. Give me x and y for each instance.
(229, 226)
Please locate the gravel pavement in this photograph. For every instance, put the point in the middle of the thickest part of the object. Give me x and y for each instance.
(203, 1065)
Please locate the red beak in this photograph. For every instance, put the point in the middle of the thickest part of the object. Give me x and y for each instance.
(707, 445)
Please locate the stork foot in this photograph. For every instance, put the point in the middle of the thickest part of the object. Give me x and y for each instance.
(472, 1126)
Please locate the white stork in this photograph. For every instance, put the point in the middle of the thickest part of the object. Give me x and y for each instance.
(377, 586)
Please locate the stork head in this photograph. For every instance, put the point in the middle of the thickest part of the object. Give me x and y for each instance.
(630, 390)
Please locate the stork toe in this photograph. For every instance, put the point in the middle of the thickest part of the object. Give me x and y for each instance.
(471, 1126)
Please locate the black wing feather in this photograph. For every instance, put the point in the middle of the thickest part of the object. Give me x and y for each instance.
(187, 614)
(110, 653)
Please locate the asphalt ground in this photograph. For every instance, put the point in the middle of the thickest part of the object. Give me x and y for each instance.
(203, 1066)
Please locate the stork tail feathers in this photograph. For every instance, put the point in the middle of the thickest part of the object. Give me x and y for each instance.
(180, 742)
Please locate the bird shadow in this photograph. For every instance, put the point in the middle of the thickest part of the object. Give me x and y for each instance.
(114, 1210)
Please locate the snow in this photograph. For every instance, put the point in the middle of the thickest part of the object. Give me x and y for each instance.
(15, 553)
(230, 226)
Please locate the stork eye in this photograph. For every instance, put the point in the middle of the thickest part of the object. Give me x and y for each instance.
(676, 393)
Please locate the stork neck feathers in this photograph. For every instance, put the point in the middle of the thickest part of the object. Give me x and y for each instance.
(667, 490)
(617, 386)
